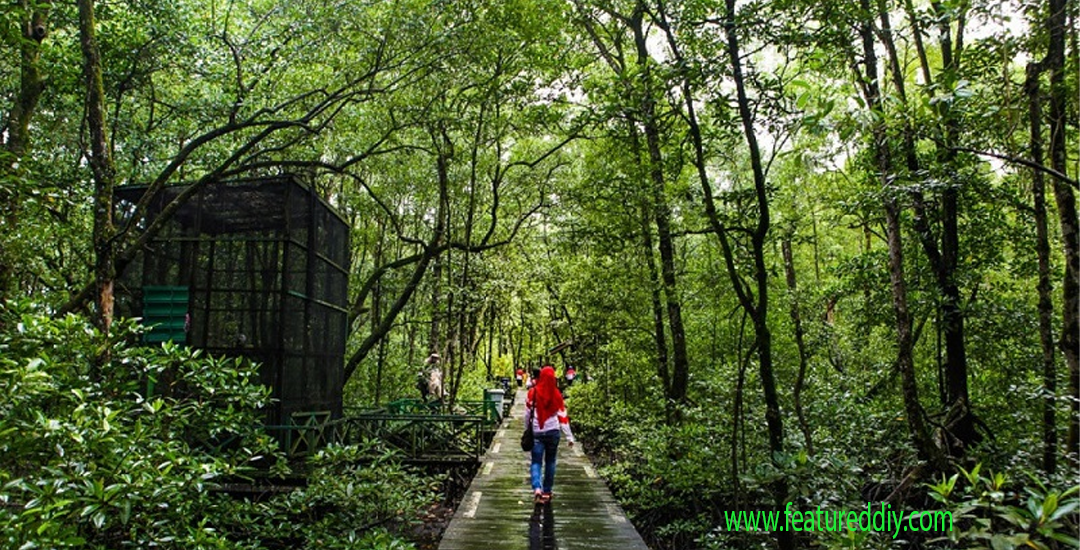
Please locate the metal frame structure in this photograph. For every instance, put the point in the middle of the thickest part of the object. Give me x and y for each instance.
(265, 265)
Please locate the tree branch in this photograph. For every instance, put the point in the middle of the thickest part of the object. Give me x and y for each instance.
(1024, 162)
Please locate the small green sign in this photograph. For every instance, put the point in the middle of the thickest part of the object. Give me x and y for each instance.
(165, 311)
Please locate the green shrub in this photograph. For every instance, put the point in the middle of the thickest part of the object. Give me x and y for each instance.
(87, 458)
(90, 459)
(989, 514)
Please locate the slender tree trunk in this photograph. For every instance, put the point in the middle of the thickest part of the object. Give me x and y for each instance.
(436, 302)
(522, 332)
(466, 334)
(31, 83)
(1067, 214)
(101, 165)
(800, 344)
(956, 375)
(31, 86)
(452, 343)
(431, 251)
(411, 336)
(757, 307)
(904, 342)
(813, 228)
(380, 363)
(376, 313)
(492, 330)
(1042, 250)
(662, 214)
(737, 412)
(659, 336)
(434, 334)
(943, 260)
(760, 313)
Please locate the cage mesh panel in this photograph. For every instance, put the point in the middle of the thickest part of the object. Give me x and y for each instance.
(261, 258)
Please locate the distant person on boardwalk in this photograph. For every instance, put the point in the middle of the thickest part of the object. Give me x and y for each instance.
(435, 386)
(519, 374)
(429, 379)
(532, 378)
(546, 411)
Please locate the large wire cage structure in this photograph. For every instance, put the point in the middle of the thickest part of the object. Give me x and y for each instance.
(254, 268)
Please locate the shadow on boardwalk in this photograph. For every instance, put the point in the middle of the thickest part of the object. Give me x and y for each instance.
(497, 512)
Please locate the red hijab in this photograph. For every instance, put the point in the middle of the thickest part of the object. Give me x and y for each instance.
(547, 401)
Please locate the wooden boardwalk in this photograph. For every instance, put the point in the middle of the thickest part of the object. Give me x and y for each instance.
(497, 512)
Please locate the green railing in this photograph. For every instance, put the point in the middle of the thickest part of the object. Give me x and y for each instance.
(492, 414)
(413, 406)
(418, 437)
(486, 409)
(306, 433)
(419, 430)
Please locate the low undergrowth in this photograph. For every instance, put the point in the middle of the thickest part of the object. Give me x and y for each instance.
(89, 458)
(676, 482)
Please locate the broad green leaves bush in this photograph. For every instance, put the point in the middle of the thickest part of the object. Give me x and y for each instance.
(90, 459)
(992, 515)
(345, 505)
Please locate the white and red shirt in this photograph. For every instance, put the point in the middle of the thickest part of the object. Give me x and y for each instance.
(559, 420)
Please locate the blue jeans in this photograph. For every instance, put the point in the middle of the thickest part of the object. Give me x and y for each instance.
(545, 448)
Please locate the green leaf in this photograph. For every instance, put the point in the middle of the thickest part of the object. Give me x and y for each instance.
(1066, 538)
(1064, 509)
(1049, 505)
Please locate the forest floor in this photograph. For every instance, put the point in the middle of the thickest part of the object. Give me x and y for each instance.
(433, 521)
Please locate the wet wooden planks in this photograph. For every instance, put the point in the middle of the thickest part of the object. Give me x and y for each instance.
(497, 512)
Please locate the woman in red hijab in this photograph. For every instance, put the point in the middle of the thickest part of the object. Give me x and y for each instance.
(546, 411)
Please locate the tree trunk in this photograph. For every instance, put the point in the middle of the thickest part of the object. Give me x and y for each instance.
(904, 342)
(492, 330)
(760, 313)
(31, 86)
(102, 167)
(737, 413)
(659, 332)
(31, 83)
(442, 168)
(1067, 214)
(944, 260)
(952, 315)
(659, 335)
(757, 307)
(662, 214)
(376, 313)
(800, 344)
(380, 362)
(436, 301)
(1042, 250)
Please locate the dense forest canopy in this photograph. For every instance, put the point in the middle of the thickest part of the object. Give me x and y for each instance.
(815, 252)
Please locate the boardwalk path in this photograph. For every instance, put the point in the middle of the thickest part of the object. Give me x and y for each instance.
(497, 512)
